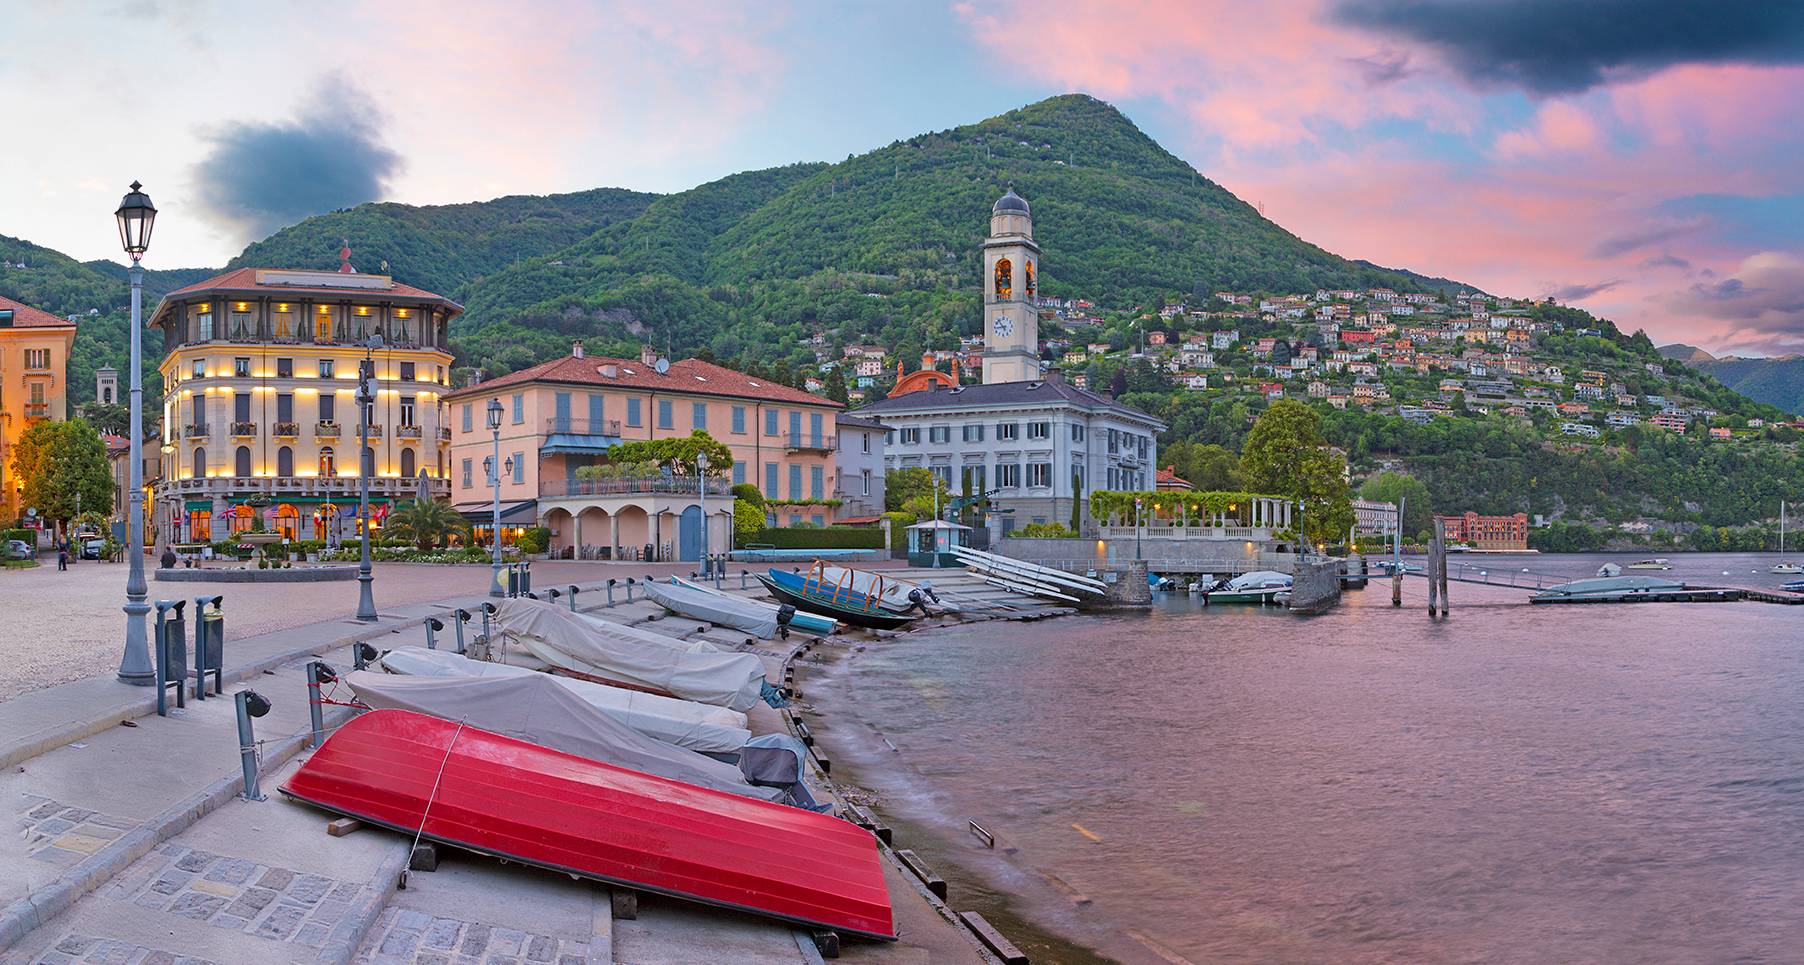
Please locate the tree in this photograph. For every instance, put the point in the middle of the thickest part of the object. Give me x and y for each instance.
(1402, 489)
(59, 464)
(1205, 466)
(835, 385)
(678, 454)
(427, 523)
(912, 491)
(748, 520)
(112, 419)
(1286, 455)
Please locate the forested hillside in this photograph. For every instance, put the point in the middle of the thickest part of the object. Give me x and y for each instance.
(1775, 381)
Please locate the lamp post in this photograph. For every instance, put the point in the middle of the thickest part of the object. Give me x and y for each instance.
(1137, 528)
(1303, 526)
(701, 497)
(366, 404)
(494, 413)
(136, 216)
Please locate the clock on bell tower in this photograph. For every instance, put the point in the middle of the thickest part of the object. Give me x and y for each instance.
(1011, 265)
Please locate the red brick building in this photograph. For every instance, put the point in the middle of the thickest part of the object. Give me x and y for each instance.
(1488, 532)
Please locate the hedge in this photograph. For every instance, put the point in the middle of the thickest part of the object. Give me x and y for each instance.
(822, 538)
(27, 535)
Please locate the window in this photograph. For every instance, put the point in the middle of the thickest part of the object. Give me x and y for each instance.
(738, 473)
(973, 479)
(285, 407)
(241, 407)
(1114, 441)
(597, 413)
(698, 415)
(1039, 430)
(1077, 432)
(1008, 475)
(795, 425)
(407, 371)
(284, 368)
(1007, 431)
(467, 422)
(561, 407)
(1039, 475)
(284, 316)
(973, 432)
(666, 417)
(816, 482)
(205, 320)
(943, 474)
(911, 437)
(200, 462)
(328, 464)
(770, 422)
(633, 417)
(285, 461)
(466, 470)
(241, 368)
(864, 482)
(795, 481)
(322, 325)
(739, 419)
(770, 480)
(864, 440)
(817, 519)
(407, 415)
(37, 358)
(326, 368)
(519, 467)
(939, 433)
(409, 464)
(328, 408)
(241, 461)
(814, 429)
(200, 368)
(519, 408)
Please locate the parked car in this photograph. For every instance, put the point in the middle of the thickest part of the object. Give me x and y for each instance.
(18, 549)
(93, 549)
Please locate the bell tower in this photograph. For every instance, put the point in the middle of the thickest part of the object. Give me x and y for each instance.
(1011, 268)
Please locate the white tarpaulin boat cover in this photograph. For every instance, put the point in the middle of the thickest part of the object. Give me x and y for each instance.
(584, 644)
(533, 708)
(684, 723)
(716, 608)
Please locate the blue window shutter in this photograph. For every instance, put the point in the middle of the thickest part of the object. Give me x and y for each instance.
(795, 481)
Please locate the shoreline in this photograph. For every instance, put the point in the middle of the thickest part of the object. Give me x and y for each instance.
(1045, 916)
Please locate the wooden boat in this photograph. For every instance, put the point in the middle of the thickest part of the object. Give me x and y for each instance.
(495, 795)
(896, 596)
(838, 601)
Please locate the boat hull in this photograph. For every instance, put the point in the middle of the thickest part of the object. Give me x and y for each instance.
(503, 797)
(876, 619)
(1259, 597)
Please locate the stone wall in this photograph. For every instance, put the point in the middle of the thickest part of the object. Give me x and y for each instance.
(1127, 586)
(1315, 586)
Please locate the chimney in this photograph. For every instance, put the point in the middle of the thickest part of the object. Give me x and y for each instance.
(1052, 373)
(576, 349)
(647, 354)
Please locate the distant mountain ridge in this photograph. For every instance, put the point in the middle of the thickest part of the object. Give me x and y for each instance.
(1776, 381)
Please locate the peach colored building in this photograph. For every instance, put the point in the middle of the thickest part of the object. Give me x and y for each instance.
(34, 360)
(562, 415)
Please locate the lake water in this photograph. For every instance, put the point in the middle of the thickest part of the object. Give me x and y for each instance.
(1514, 783)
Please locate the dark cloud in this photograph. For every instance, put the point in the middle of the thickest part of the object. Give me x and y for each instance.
(1573, 293)
(1648, 234)
(258, 177)
(1561, 46)
(1663, 261)
(1383, 67)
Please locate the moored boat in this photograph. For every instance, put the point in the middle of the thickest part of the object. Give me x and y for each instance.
(484, 792)
(1658, 563)
(1260, 586)
(1610, 586)
(839, 602)
(1784, 565)
(896, 596)
(798, 620)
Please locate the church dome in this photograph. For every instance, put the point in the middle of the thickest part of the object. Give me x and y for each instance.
(1010, 203)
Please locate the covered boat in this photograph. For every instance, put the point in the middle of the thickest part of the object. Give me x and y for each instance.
(840, 602)
(495, 795)
(709, 605)
(1609, 587)
(533, 708)
(1259, 586)
(685, 723)
(639, 658)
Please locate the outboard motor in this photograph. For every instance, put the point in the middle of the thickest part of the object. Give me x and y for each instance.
(785, 613)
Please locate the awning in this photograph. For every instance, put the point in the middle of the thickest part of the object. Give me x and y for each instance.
(512, 514)
(576, 444)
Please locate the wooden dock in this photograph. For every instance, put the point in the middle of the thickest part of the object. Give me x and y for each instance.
(1703, 594)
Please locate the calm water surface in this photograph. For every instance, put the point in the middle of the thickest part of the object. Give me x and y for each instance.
(1514, 783)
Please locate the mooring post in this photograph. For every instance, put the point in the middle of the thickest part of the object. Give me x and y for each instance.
(610, 589)
(488, 610)
(573, 589)
(1437, 545)
(629, 589)
(316, 714)
(433, 625)
(459, 618)
(1445, 601)
(742, 578)
(1397, 555)
(250, 704)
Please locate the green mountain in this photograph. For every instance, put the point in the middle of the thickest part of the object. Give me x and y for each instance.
(1775, 381)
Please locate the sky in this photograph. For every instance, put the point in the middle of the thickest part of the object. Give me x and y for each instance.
(1638, 158)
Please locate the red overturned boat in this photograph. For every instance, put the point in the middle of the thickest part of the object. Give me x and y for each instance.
(527, 803)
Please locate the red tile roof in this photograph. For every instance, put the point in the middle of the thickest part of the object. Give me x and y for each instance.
(24, 316)
(245, 279)
(691, 376)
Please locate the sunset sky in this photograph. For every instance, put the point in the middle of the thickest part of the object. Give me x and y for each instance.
(1640, 159)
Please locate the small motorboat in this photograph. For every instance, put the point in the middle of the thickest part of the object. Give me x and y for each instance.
(1795, 586)
(449, 782)
(1609, 569)
(1608, 587)
(839, 601)
(805, 622)
(1260, 586)
(722, 609)
(1658, 563)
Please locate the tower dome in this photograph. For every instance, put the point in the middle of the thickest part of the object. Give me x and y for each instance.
(1010, 203)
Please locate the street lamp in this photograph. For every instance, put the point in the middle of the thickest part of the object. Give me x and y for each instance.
(701, 496)
(136, 217)
(494, 467)
(1137, 528)
(366, 406)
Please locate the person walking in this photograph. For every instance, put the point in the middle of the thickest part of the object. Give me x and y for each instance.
(62, 555)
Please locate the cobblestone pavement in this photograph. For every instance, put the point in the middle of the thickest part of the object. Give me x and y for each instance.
(62, 835)
(74, 949)
(406, 937)
(65, 626)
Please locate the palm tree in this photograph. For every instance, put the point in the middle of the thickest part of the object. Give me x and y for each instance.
(427, 522)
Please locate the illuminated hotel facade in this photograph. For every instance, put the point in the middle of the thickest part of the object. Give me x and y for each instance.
(259, 408)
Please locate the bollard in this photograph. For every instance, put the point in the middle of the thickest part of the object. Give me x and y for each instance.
(433, 625)
(172, 651)
(362, 655)
(743, 575)
(573, 590)
(460, 617)
(610, 589)
(209, 645)
(525, 576)
(317, 673)
(488, 611)
(720, 570)
(250, 704)
(552, 594)
(629, 589)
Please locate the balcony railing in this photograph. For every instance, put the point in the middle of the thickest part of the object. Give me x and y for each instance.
(37, 410)
(444, 434)
(635, 486)
(375, 431)
(244, 428)
(287, 430)
(407, 432)
(810, 442)
(582, 427)
(325, 430)
(196, 431)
